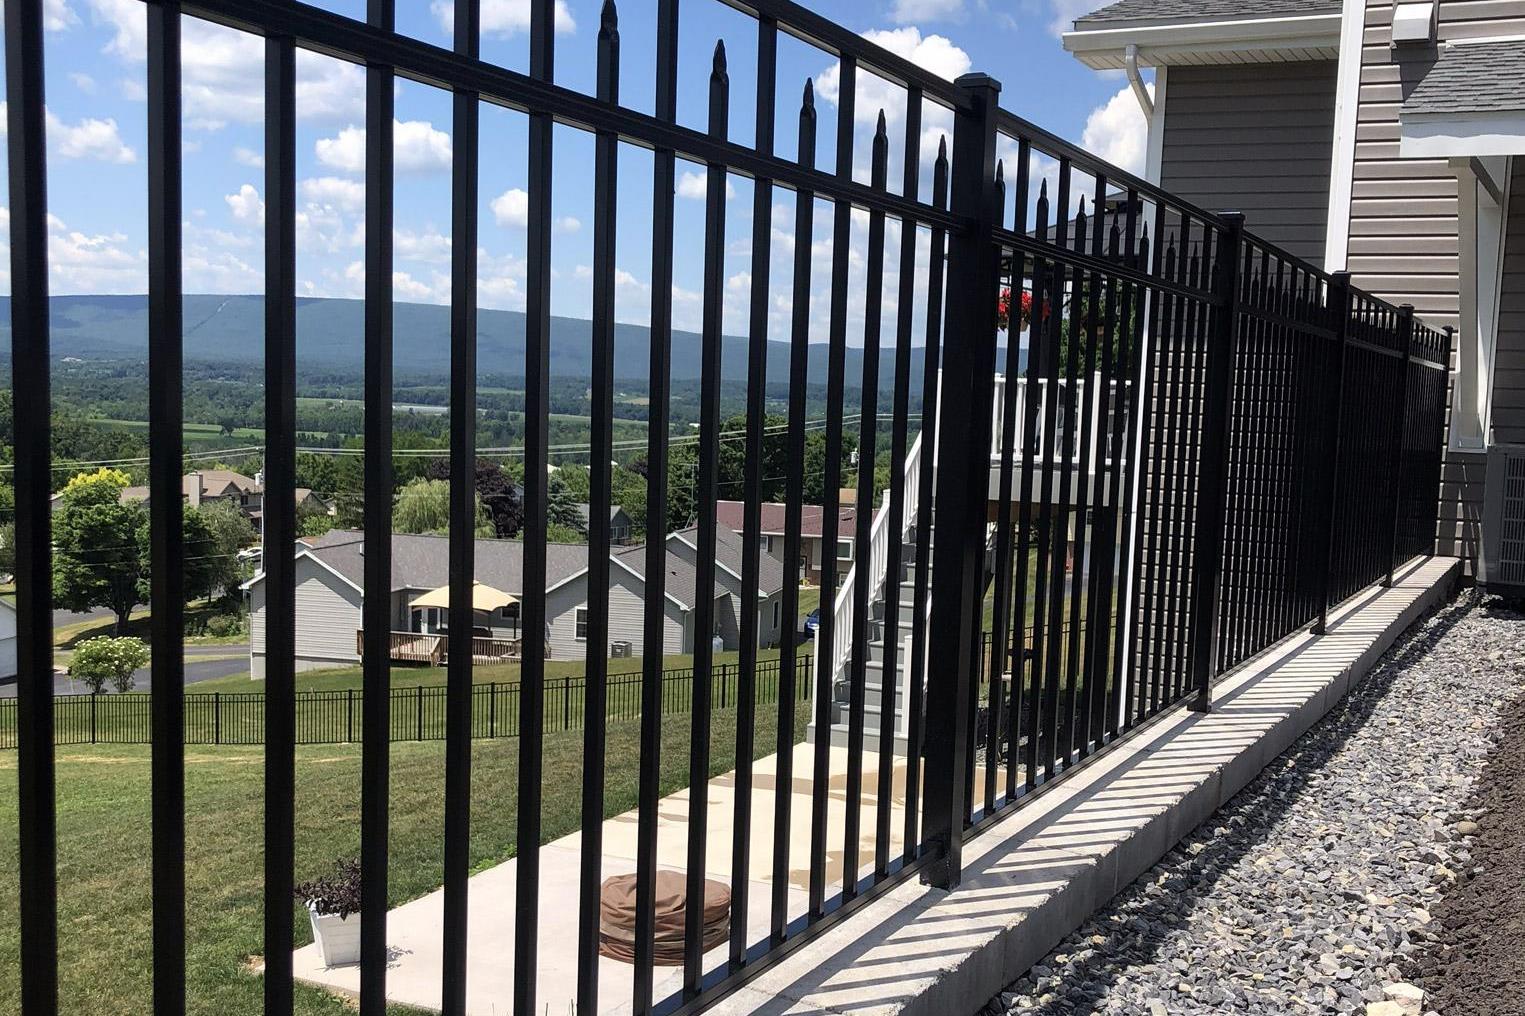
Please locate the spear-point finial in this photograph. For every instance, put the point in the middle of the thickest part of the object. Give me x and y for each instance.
(880, 130)
(1082, 204)
(942, 146)
(718, 68)
(1000, 172)
(809, 100)
(1043, 189)
(609, 17)
(1146, 231)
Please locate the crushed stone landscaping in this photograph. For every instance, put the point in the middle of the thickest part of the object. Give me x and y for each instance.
(1314, 890)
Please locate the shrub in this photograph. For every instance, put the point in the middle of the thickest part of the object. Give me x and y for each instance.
(335, 893)
(224, 625)
(99, 660)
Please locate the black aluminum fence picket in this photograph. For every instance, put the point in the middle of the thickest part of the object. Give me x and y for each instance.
(1194, 464)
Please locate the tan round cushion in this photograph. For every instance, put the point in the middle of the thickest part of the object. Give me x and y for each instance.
(617, 917)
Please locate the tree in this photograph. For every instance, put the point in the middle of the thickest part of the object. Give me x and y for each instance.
(561, 506)
(100, 546)
(423, 506)
(224, 531)
(495, 491)
(103, 659)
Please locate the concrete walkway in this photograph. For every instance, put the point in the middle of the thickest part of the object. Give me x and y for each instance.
(415, 929)
(1028, 880)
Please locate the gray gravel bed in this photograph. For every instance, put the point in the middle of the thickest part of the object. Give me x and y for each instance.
(1302, 894)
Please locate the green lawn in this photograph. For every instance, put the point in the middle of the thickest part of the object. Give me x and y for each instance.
(71, 635)
(339, 678)
(810, 598)
(103, 821)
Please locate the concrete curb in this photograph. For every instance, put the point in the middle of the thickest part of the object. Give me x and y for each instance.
(1035, 877)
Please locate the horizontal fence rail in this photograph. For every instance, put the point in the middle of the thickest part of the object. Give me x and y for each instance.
(1196, 445)
(417, 713)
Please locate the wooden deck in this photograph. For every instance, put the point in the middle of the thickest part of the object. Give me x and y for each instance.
(423, 647)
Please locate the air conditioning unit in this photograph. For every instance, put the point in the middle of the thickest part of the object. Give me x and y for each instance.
(1503, 568)
(620, 650)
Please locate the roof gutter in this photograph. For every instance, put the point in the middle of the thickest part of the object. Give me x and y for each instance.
(1102, 45)
(1130, 63)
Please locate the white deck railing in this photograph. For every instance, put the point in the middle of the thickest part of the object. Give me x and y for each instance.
(877, 564)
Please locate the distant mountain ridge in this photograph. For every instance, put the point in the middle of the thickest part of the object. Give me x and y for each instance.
(230, 330)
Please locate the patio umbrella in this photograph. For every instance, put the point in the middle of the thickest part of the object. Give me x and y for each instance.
(483, 597)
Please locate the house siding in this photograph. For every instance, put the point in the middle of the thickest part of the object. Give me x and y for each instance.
(1404, 226)
(328, 616)
(1255, 139)
(627, 613)
(1509, 358)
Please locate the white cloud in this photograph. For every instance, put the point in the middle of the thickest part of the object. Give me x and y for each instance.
(346, 195)
(502, 17)
(568, 224)
(57, 15)
(933, 53)
(406, 287)
(428, 246)
(907, 12)
(1117, 132)
(512, 208)
(222, 71)
(248, 157)
(417, 146)
(81, 262)
(84, 82)
(1065, 12)
(89, 139)
(246, 205)
(696, 186)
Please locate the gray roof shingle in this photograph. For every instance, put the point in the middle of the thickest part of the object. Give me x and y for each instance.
(422, 562)
(1484, 77)
(1202, 10)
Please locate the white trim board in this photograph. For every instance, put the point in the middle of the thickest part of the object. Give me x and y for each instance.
(1347, 104)
(1240, 40)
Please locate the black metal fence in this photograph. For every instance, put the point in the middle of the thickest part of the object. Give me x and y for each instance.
(335, 716)
(1173, 528)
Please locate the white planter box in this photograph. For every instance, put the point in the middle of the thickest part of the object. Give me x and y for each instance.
(338, 938)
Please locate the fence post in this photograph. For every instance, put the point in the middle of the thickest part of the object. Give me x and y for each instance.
(1395, 461)
(217, 717)
(93, 698)
(419, 699)
(349, 715)
(566, 703)
(1212, 486)
(492, 710)
(963, 479)
(1334, 408)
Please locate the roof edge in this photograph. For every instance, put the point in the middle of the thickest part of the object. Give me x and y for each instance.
(1101, 44)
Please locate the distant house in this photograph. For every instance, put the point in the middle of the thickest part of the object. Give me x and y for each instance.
(7, 639)
(207, 486)
(620, 525)
(730, 514)
(330, 577)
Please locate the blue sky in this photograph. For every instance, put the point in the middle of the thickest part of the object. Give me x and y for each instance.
(95, 80)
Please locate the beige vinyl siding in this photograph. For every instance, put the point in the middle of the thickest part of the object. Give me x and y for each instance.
(1255, 139)
(1509, 359)
(1403, 225)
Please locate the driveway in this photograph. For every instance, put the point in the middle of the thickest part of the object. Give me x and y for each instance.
(195, 670)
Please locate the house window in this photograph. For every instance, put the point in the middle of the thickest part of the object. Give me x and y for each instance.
(582, 624)
(844, 550)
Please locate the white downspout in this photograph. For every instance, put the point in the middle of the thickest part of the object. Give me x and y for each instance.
(1140, 91)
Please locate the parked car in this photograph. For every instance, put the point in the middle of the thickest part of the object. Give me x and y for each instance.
(812, 622)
